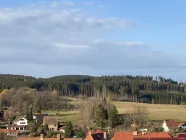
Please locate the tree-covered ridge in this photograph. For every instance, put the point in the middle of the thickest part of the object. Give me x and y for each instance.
(129, 88)
(15, 81)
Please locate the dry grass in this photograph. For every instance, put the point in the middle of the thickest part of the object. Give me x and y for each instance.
(64, 116)
(156, 111)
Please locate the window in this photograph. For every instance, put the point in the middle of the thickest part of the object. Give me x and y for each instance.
(22, 123)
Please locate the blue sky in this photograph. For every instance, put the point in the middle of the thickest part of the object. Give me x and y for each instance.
(98, 37)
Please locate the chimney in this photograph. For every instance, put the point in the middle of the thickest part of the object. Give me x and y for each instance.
(41, 137)
(58, 136)
(105, 135)
(135, 133)
(89, 132)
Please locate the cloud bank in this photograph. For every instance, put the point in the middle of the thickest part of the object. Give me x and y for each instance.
(56, 38)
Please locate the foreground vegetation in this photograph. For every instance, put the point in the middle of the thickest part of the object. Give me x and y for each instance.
(85, 112)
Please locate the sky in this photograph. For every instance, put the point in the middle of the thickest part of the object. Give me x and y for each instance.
(93, 37)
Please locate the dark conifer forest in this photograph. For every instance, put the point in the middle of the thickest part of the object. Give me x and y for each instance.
(147, 89)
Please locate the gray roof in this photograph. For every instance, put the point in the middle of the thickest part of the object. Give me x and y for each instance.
(40, 117)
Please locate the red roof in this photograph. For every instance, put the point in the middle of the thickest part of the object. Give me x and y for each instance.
(98, 131)
(155, 135)
(94, 132)
(181, 135)
(8, 131)
(72, 139)
(173, 123)
(28, 138)
(97, 136)
(89, 137)
(123, 136)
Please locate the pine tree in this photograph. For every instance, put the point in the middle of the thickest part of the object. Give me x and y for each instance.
(100, 118)
(37, 105)
(45, 128)
(33, 126)
(79, 133)
(113, 116)
(29, 114)
(69, 130)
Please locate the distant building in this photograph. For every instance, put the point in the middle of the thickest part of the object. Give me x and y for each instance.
(9, 132)
(39, 117)
(154, 135)
(19, 124)
(21, 121)
(123, 136)
(52, 122)
(149, 136)
(172, 124)
(96, 135)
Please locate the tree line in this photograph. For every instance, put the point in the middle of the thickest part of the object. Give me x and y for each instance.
(19, 101)
(127, 88)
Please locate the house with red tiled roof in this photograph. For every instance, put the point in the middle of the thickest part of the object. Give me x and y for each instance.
(162, 137)
(96, 135)
(72, 139)
(43, 138)
(154, 135)
(123, 136)
(133, 136)
(171, 124)
(9, 132)
(99, 131)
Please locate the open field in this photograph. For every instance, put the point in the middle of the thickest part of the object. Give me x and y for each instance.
(156, 111)
(64, 116)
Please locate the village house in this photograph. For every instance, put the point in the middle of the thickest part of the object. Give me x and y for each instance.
(123, 136)
(9, 132)
(52, 122)
(21, 121)
(19, 124)
(172, 124)
(96, 135)
(149, 136)
(39, 117)
(62, 128)
(153, 135)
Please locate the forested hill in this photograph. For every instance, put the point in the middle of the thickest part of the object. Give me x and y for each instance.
(128, 88)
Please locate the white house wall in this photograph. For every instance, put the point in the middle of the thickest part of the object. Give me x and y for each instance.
(22, 122)
(165, 127)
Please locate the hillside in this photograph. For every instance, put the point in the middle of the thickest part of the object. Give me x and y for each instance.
(145, 89)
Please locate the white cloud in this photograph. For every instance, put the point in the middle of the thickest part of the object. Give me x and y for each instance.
(58, 38)
(70, 46)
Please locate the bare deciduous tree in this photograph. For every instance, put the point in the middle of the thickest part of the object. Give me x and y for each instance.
(87, 111)
(139, 114)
